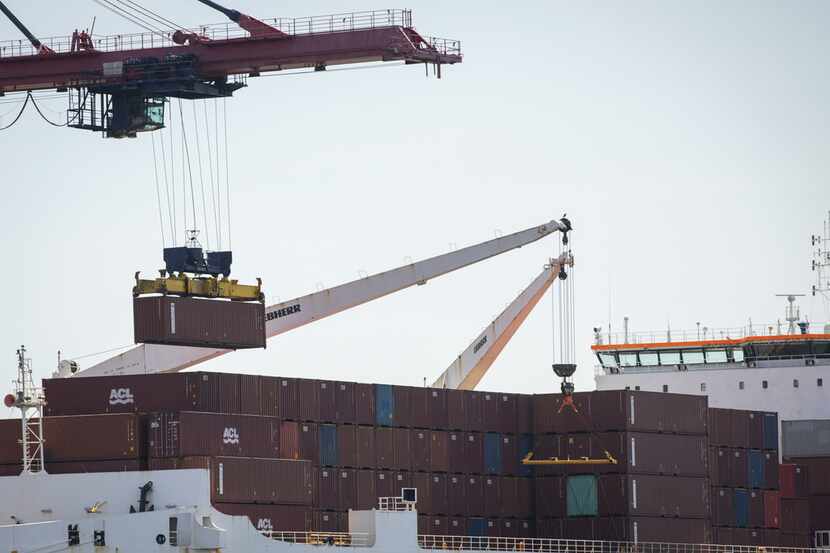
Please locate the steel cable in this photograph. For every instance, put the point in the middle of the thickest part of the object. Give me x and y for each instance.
(19, 113)
(158, 191)
(201, 176)
(189, 169)
(227, 171)
(131, 18)
(151, 14)
(170, 211)
(213, 203)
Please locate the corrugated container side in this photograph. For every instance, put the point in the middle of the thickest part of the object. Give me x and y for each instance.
(290, 440)
(475, 495)
(756, 468)
(474, 453)
(327, 489)
(207, 388)
(492, 495)
(367, 497)
(250, 389)
(756, 509)
(437, 408)
(770, 425)
(456, 452)
(509, 528)
(309, 441)
(527, 528)
(403, 405)
(78, 467)
(476, 526)
(279, 481)
(509, 455)
(330, 522)
(403, 449)
(92, 437)
(327, 394)
(524, 414)
(439, 460)
(272, 518)
(720, 427)
(438, 525)
(456, 494)
(655, 529)
(581, 495)
(547, 446)
(549, 528)
(723, 474)
(385, 448)
(492, 453)
(508, 413)
(456, 414)
(269, 396)
(289, 398)
(817, 469)
(347, 445)
(550, 497)
(525, 447)
(384, 405)
(795, 515)
(365, 447)
(474, 410)
(741, 498)
(418, 408)
(10, 432)
(509, 496)
(723, 507)
(648, 453)
(740, 467)
(580, 528)
(328, 445)
(365, 404)
(740, 428)
(524, 498)
(793, 479)
(423, 484)
(756, 430)
(389, 484)
(457, 526)
(308, 396)
(805, 438)
(772, 509)
(438, 494)
(419, 450)
(771, 470)
(819, 509)
(345, 402)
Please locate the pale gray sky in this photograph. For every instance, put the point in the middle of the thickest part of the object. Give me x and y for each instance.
(686, 141)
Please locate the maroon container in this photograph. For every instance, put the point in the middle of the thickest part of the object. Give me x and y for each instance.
(403, 405)
(509, 454)
(90, 437)
(364, 404)
(818, 469)
(795, 515)
(493, 527)
(577, 446)
(722, 470)
(422, 482)
(419, 441)
(618, 410)
(524, 414)
(740, 428)
(723, 507)
(437, 525)
(229, 393)
(508, 413)
(509, 528)
(548, 446)
(289, 398)
(492, 495)
(330, 522)
(527, 528)
(272, 518)
(583, 528)
(278, 481)
(456, 414)
(756, 430)
(771, 470)
(491, 412)
(772, 538)
(327, 392)
(457, 526)
(403, 449)
(250, 389)
(819, 509)
(720, 427)
(548, 418)
(191, 433)
(437, 408)
(654, 529)
(309, 441)
(794, 481)
(308, 399)
(524, 498)
(329, 489)
(290, 440)
(456, 494)
(739, 471)
(389, 483)
(269, 396)
(474, 410)
(11, 452)
(456, 452)
(77, 467)
(365, 447)
(439, 451)
(648, 453)
(723, 536)
(347, 445)
(756, 509)
(799, 540)
(172, 320)
(772, 509)
(345, 402)
(419, 410)
(475, 495)
(550, 528)
(509, 496)
(439, 504)
(660, 496)
(385, 448)
(367, 497)
(474, 453)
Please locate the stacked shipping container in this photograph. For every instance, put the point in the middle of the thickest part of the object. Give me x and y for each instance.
(806, 449)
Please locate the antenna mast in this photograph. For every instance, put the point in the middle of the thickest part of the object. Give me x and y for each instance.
(30, 401)
(821, 264)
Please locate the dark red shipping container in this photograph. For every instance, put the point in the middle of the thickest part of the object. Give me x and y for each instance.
(389, 484)
(524, 498)
(90, 437)
(457, 526)
(419, 449)
(756, 509)
(403, 449)
(11, 452)
(492, 495)
(422, 482)
(438, 494)
(278, 481)
(820, 511)
(456, 494)
(649, 453)
(230, 398)
(419, 409)
(494, 527)
(330, 522)
(250, 394)
(289, 394)
(509, 496)
(723, 536)
(290, 440)
(491, 412)
(800, 540)
(173, 320)
(793, 481)
(772, 509)
(345, 402)
(654, 529)
(772, 538)
(550, 496)
(327, 393)
(508, 413)
(740, 428)
(269, 396)
(456, 413)
(437, 408)
(346, 445)
(524, 414)
(403, 409)
(474, 410)
(548, 446)
(364, 404)
(723, 507)
(327, 489)
(366, 447)
(77, 467)
(634, 411)
(346, 489)
(795, 515)
(308, 400)
(474, 494)
(756, 430)
(550, 528)
(818, 469)
(309, 441)
(272, 518)
(186, 434)
(739, 470)
(474, 453)
(771, 481)
(581, 528)
(385, 448)
(510, 461)
(653, 496)
(456, 452)
(509, 528)
(722, 470)
(439, 451)
(367, 497)
(438, 526)
(548, 419)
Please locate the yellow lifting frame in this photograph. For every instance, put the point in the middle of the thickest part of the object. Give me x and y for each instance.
(200, 287)
(608, 460)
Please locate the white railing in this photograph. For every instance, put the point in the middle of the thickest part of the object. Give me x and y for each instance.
(704, 333)
(395, 504)
(342, 539)
(542, 545)
(332, 23)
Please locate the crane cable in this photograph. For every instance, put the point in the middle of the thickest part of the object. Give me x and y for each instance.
(19, 113)
(136, 19)
(217, 230)
(158, 191)
(201, 174)
(227, 170)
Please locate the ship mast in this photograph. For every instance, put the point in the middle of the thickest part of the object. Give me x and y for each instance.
(821, 265)
(30, 400)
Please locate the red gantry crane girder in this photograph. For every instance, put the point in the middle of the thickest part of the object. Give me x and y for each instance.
(118, 83)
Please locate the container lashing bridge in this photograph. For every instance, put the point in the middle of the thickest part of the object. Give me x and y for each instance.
(118, 85)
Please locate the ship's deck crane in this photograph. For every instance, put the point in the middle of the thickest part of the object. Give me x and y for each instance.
(291, 314)
(36, 44)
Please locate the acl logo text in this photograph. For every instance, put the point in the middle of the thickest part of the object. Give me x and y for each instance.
(264, 525)
(121, 396)
(230, 436)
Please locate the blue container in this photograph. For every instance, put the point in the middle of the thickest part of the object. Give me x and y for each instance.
(770, 430)
(756, 468)
(384, 405)
(492, 453)
(476, 527)
(525, 447)
(328, 445)
(741, 499)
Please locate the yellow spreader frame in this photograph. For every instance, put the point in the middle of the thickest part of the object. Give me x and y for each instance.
(200, 287)
(529, 460)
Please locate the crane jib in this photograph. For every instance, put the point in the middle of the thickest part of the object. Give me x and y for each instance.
(283, 312)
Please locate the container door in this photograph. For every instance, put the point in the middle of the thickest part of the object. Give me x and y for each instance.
(581, 495)
(384, 405)
(492, 453)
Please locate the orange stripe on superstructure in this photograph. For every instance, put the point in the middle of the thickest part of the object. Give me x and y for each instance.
(711, 343)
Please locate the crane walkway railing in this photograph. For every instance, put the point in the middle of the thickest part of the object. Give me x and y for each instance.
(542, 545)
(320, 24)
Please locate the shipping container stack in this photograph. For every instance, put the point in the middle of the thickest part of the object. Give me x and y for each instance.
(743, 454)
(659, 489)
(806, 471)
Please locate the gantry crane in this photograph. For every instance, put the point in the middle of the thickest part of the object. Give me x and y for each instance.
(291, 314)
(118, 84)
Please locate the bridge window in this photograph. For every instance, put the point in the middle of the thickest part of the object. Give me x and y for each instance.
(738, 355)
(608, 360)
(716, 356)
(649, 358)
(693, 357)
(665, 387)
(669, 357)
(628, 360)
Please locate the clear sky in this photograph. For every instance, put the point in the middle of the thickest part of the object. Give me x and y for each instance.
(688, 143)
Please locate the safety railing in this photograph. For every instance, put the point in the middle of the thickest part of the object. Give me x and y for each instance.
(342, 539)
(396, 504)
(541, 545)
(321, 24)
(704, 333)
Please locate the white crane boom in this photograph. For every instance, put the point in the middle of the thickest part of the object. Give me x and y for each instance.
(288, 315)
(470, 367)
